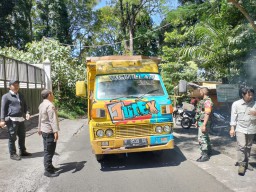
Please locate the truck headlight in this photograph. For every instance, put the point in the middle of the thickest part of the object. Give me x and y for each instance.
(100, 133)
(167, 128)
(109, 132)
(159, 129)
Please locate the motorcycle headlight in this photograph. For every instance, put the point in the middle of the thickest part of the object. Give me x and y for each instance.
(167, 128)
(159, 129)
(109, 132)
(100, 133)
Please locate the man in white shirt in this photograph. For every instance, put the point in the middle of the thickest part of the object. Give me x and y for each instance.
(243, 125)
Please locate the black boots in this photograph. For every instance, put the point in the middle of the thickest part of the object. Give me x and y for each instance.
(50, 174)
(25, 153)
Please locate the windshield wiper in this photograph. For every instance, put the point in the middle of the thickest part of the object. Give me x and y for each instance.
(118, 98)
(152, 91)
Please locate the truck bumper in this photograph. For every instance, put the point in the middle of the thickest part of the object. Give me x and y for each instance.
(116, 146)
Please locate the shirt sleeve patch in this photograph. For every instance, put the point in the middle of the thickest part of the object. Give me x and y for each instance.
(207, 104)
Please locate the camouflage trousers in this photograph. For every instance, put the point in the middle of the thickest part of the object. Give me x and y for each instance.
(204, 139)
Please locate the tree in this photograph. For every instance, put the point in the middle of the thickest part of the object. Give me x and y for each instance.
(65, 69)
(105, 32)
(239, 6)
(128, 12)
(52, 20)
(174, 65)
(15, 28)
(220, 47)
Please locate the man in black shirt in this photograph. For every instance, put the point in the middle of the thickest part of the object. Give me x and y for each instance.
(13, 111)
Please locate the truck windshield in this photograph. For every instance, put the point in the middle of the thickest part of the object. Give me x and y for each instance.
(128, 85)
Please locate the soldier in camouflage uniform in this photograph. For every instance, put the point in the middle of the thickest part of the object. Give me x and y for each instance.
(204, 109)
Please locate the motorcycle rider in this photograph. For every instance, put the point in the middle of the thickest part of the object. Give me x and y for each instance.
(204, 110)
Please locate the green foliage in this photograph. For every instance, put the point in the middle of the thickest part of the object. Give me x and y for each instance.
(52, 20)
(65, 69)
(15, 26)
(212, 35)
(130, 15)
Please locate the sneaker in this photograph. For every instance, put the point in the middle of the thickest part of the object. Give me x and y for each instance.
(25, 153)
(203, 158)
(241, 170)
(50, 174)
(15, 157)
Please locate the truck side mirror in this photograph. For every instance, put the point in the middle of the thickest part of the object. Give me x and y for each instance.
(183, 86)
(80, 89)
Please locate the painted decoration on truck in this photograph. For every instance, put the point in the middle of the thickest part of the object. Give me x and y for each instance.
(119, 111)
(132, 77)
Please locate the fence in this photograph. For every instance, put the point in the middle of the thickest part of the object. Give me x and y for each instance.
(32, 80)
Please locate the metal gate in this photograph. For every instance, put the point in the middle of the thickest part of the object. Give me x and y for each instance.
(32, 80)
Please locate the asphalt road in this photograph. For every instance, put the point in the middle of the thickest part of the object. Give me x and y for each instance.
(169, 171)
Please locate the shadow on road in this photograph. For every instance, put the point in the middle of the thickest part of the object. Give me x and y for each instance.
(37, 154)
(142, 160)
(72, 166)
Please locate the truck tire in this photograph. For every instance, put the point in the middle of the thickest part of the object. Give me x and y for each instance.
(99, 157)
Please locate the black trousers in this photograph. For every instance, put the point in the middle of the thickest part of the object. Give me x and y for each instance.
(49, 150)
(15, 129)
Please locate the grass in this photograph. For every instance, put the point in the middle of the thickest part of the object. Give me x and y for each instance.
(67, 114)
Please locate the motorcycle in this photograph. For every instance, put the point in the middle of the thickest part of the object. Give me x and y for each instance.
(218, 123)
(178, 114)
(188, 119)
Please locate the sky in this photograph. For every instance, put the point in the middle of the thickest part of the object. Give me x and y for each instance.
(156, 18)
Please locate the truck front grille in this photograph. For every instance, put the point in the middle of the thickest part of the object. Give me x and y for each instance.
(123, 131)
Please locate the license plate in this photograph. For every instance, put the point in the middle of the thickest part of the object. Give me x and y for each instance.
(135, 142)
(164, 139)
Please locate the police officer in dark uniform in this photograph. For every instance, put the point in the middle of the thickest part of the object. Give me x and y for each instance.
(13, 111)
(48, 127)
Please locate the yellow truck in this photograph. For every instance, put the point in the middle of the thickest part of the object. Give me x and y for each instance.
(129, 109)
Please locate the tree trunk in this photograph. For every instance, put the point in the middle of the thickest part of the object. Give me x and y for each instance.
(243, 11)
(131, 41)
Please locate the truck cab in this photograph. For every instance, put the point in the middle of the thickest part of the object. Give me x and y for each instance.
(129, 109)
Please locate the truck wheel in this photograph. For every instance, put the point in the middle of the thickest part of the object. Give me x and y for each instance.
(99, 157)
(185, 123)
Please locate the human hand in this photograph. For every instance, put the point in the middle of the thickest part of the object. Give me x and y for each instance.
(252, 112)
(232, 132)
(56, 136)
(2, 124)
(196, 124)
(27, 116)
(203, 129)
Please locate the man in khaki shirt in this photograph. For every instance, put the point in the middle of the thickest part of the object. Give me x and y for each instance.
(48, 127)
